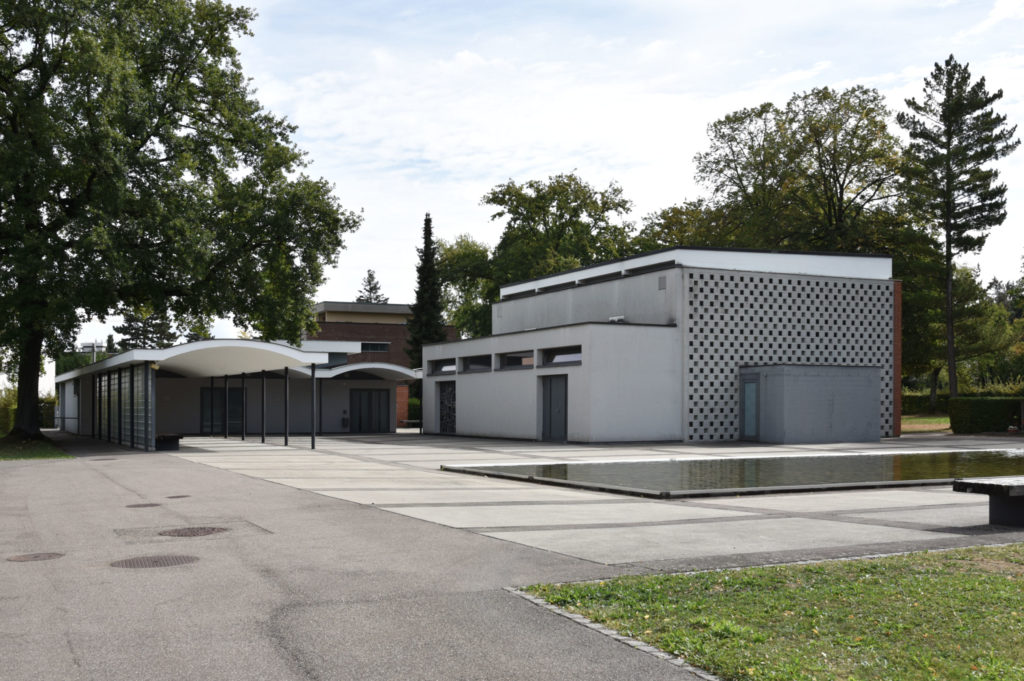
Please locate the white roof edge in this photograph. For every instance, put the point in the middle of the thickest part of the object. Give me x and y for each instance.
(812, 264)
(164, 354)
(361, 366)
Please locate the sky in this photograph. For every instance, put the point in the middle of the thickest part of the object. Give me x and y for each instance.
(416, 107)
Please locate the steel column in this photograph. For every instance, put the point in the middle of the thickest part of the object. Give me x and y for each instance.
(243, 405)
(263, 407)
(312, 406)
(286, 406)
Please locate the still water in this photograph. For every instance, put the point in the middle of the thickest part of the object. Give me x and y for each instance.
(706, 477)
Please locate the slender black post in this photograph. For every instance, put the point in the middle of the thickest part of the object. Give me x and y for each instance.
(120, 411)
(286, 406)
(312, 406)
(243, 405)
(131, 408)
(94, 415)
(211, 406)
(146, 426)
(109, 437)
(263, 407)
(225, 407)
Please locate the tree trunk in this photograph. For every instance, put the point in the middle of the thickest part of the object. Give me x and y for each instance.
(950, 340)
(26, 421)
(933, 396)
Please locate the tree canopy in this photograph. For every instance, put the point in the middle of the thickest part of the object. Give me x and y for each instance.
(138, 169)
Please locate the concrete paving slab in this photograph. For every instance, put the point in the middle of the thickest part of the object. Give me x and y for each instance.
(974, 516)
(561, 514)
(847, 500)
(386, 497)
(665, 542)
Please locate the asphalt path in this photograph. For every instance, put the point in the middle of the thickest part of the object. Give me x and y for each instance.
(299, 586)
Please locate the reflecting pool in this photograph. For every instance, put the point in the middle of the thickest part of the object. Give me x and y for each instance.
(722, 476)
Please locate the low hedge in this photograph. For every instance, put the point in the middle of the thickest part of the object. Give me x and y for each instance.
(984, 414)
(415, 409)
(922, 404)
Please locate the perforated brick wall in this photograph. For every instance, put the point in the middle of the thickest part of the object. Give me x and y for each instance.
(736, 319)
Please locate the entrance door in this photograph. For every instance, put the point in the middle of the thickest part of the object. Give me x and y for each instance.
(370, 410)
(749, 409)
(446, 404)
(554, 407)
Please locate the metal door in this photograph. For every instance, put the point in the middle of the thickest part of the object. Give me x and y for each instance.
(750, 412)
(370, 410)
(554, 407)
(446, 407)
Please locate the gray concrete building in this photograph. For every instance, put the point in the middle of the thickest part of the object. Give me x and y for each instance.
(692, 345)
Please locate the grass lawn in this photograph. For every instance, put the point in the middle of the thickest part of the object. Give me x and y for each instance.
(17, 448)
(936, 616)
(925, 423)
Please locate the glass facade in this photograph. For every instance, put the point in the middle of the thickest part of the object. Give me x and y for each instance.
(123, 408)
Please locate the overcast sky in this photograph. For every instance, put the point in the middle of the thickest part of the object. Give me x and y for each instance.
(410, 107)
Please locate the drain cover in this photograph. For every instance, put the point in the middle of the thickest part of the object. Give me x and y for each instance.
(192, 531)
(180, 496)
(28, 557)
(153, 561)
(141, 505)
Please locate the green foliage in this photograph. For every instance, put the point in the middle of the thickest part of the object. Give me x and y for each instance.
(984, 414)
(70, 361)
(137, 169)
(370, 293)
(955, 136)
(557, 225)
(415, 409)
(144, 328)
(8, 404)
(426, 324)
(465, 269)
(916, 617)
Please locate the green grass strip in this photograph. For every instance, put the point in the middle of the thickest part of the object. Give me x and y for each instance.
(935, 616)
(12, 448)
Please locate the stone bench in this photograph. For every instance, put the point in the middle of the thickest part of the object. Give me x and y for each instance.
(167, 442)
(1005, 497)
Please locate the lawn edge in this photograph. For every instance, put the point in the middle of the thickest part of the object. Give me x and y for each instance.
(611, 633)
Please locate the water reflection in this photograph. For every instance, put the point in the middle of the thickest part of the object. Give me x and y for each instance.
(677, 478)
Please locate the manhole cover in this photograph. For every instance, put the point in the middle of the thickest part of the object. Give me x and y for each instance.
(28, 557)
(192, 531)
(180, 496)
(141, 505)
(153, 561)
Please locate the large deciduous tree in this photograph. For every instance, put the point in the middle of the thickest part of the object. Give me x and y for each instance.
(556, 225)
(464, 267)
(138, 169)
(955, 136)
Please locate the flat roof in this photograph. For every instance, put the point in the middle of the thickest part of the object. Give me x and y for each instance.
(378, 308)
(848, 265)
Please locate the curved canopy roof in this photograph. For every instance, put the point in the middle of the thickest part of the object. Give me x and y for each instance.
(215, 357)
(391, 372)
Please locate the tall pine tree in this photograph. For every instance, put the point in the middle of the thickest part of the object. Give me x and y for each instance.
(427, 324)
(370, 292)
(955, 136)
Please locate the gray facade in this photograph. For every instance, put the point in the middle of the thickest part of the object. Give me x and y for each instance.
(661, 342)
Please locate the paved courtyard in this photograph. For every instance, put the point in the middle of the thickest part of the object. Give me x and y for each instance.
(400, 474)
(362, 560)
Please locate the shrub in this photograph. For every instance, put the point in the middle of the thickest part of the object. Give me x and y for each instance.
(415, 409)
(984, 414)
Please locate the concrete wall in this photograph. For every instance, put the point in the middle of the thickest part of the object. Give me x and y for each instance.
(640, 299)
(625, 387)
(811, 404)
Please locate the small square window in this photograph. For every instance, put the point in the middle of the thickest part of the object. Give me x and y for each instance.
(571, 354)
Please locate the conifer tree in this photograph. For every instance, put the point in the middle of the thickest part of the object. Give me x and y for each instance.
(143, 328)
(370, 293)
(427, 324)
(955, 136)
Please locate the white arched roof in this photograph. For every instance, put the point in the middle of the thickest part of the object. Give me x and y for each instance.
(391, 372)
(214, 357)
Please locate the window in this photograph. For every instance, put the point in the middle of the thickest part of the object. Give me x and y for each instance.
(374, 347)
(522, 359)
(571, 354)
(476, 363)
(442, 366)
